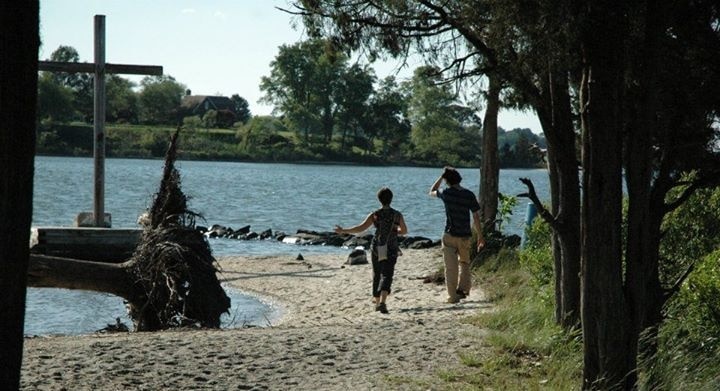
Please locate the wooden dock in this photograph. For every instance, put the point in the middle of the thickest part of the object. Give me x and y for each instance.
(90, 244)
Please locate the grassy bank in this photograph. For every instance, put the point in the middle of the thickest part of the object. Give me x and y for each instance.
(142, 141)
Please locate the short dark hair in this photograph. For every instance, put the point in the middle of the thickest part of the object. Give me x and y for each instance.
(452, 176)
(385, 196)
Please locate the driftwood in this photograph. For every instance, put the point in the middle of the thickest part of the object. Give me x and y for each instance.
(171, 278)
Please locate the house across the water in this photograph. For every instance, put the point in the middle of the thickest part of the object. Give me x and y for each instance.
(199, 105)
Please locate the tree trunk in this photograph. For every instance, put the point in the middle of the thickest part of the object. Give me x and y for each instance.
(55, 272)
(556, 119)
(605, 316)
(19, 43)
(490, 171)
(646, 207)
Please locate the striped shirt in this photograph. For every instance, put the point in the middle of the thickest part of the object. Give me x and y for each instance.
(459, 202)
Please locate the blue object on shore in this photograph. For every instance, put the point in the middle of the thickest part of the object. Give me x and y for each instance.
(530, 214)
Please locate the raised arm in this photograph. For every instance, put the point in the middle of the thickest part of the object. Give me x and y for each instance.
(358, 228)
(434, 188)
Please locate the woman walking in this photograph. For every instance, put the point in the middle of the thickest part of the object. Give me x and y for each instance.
(389, 223)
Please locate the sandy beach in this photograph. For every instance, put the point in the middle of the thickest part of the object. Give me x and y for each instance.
(329, 337)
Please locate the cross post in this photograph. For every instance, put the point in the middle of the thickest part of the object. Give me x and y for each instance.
(99, 68)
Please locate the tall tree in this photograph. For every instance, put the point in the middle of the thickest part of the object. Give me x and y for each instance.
(439, 130)
(388, 114)
(353, 98)
(55, 101)
(242, 109)
(122, 101)
(18, 100)
(604, 309)
(81, 84)
(302, 85)
(160, 99)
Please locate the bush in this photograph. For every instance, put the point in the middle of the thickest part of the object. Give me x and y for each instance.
(537, 255)
(688, 341)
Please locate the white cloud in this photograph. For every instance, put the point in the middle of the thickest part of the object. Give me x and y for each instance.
(220, 15)
(188, 11)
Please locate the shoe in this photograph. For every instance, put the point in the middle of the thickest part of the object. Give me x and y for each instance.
(460, 294)
(453, 300)
(382, 308)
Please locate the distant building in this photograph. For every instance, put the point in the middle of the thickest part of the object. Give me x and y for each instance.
(200, 104)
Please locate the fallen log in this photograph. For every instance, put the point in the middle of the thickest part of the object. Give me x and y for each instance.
(56, 272)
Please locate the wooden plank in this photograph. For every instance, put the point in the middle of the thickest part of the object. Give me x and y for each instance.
(69, 67)
(92, 244)
(88, 67)
(128, 69)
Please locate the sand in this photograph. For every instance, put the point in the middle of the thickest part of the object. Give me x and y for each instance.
(329, 337)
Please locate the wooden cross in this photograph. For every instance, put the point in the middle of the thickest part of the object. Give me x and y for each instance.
(99, 68)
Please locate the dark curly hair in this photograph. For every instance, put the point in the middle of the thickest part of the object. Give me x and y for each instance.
(385, 196)
(452, 176)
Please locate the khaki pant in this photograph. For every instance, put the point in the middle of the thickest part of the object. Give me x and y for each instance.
(456, 253)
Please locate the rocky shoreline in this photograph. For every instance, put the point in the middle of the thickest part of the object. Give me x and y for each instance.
(312, 238)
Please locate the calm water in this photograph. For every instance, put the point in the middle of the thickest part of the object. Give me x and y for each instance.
(281, 197)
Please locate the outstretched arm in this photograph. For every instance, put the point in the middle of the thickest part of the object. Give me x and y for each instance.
(358, 228)
(402, 228)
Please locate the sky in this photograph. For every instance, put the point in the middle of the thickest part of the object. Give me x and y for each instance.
(213, 47)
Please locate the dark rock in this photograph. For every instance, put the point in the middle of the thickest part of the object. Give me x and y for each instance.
(266, 234)
(335, 240)
(299, 257)
(201, 229)
(420, 244)
(118, 327)
(357, 257)
(251, 235)
(244, 230)
(217, 231)
(357, 242)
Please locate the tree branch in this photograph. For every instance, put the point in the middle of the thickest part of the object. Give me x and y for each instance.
(542, 211)
(668, 293)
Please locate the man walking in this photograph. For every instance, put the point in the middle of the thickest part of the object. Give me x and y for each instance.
(460, 203)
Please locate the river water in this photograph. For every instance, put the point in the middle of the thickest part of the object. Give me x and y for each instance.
(281, 197)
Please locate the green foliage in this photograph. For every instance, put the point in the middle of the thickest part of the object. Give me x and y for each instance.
(209, 120)
(302, 84)
(505, 207)
(50, 143)
(242, 108)
(518, 149)
(536, 256)
(689, 340)
(441, 127)
(55, 101)
(691, 231)
(122, 101)
(159, 100)
(192, 123)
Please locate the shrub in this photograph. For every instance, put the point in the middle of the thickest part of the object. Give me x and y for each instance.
(537, 255)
